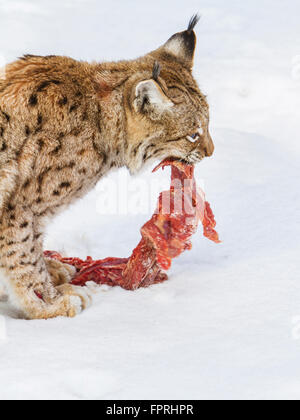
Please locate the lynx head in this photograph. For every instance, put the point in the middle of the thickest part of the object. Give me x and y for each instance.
(167, 115)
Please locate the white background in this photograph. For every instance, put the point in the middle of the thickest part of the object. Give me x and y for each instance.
(226, 324)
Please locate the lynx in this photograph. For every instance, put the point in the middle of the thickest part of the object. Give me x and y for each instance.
(64, 124)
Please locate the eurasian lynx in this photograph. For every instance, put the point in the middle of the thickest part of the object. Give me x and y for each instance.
(63, 125)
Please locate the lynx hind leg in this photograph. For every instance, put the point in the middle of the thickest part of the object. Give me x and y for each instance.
(8, 176)
(60, 273)
(27, 279)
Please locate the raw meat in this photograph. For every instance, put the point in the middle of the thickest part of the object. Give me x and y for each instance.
(166, 236)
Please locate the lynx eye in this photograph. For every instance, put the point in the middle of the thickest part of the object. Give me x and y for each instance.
(195, 137)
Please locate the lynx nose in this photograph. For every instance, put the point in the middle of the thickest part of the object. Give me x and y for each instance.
(209, 146)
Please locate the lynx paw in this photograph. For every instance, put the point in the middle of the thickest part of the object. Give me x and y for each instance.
(75, 298)
(60, 273)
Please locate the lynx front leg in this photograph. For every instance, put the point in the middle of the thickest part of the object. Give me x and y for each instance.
(28, 281)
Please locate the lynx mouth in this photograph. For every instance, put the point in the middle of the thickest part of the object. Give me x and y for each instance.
(192, 159)
(189, 161)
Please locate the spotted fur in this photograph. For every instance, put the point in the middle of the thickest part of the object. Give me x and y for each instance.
(63, 125)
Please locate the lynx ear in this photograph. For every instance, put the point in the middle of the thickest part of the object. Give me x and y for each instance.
(149, 95)
(183, 44)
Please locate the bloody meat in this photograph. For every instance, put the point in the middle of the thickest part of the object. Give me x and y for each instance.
(166, 236)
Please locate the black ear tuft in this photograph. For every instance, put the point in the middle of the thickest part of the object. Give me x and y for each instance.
(156, 70)
(183, 44)
(193, 22)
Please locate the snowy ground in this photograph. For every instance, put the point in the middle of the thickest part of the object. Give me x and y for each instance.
(227, 324)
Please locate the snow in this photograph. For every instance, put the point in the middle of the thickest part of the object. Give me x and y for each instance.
(226, 325)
